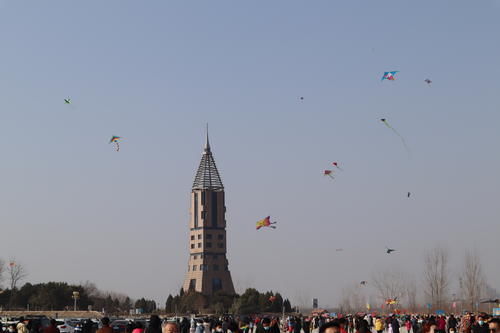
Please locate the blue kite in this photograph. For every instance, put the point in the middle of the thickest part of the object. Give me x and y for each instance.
(389, 76)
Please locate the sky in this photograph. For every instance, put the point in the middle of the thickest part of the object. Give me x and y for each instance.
(155, 72)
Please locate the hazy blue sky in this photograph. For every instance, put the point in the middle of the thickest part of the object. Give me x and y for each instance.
(154, 72)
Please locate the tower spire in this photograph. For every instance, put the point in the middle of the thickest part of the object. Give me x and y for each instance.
(207, 143)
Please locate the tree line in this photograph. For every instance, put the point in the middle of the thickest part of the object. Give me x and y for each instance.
(438, 288)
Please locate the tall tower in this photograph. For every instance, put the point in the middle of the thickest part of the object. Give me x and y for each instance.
(208, 269)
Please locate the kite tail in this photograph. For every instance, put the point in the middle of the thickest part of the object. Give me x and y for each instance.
(331, 176)
(272, 226)
(117, 146)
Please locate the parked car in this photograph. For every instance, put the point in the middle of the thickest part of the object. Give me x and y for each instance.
(66, 325)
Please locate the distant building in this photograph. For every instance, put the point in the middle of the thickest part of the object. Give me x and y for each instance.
(208, 269)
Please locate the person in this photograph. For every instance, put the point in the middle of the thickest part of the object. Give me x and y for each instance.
(170, 327)
(298, 325)
(21, 326)
(154, 324)
(88, 326)
(306, 325)
(480, 326)
(105, 326)
(395, 324)
(11, 328)
(199, 326)
(185, 326)
(244, 325)
(52, 328)
(494, 325)
(441, 324)
(330, 327)
(452, 323)
(379, 325)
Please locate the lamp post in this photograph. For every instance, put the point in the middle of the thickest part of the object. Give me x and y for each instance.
(76, 297)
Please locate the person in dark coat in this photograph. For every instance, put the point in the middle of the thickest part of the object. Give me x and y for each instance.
(395, 324)
(154, 324)
(480, 326)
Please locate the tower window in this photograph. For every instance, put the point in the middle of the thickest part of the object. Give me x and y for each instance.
(213, 207)
(215, 256)
(192, 237)
(196, 210)
(209, 236)
(195, 256)
(220, 237)
(202, 198)
(199, 245)
(203, 268)
(199, 236)
(209, 245)
(216, 267)
(194, 267)
(192, 284)
(216, 284)
(220, 245)
(192, 245)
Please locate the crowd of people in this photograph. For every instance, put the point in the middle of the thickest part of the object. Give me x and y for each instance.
(467, 323)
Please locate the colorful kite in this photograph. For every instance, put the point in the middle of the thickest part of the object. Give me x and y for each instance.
(428, 81)
(391, 301)
(397, 133)
(389, 251)
(389, 76)
(116, 141)
(265, 223)
(335, 164)
(328, 173)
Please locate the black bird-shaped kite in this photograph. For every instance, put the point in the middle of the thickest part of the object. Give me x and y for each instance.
(388, 250)
(363, 283)
(409, 194)
(428, 81)
(67, 100)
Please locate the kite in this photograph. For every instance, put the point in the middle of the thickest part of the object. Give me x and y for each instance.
(116, 141)
(391, 301)
(12, 264)
(335, 164)
(389, 76)
(428, 81)
(67, 100)
(272, 299)
(301, 98)
(339, 250)
(265, 223)
(397, 133)
(328, 173)
(363, 283)
(409, 193)
(388, 250)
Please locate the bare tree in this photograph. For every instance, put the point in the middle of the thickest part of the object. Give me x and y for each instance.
(2, 269)
(16, 273)
(352, 299)
(436, 278)
(390, 283)
(472, 279)
(411, 294)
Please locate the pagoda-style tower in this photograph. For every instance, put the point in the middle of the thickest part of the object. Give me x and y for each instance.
(208, 269)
